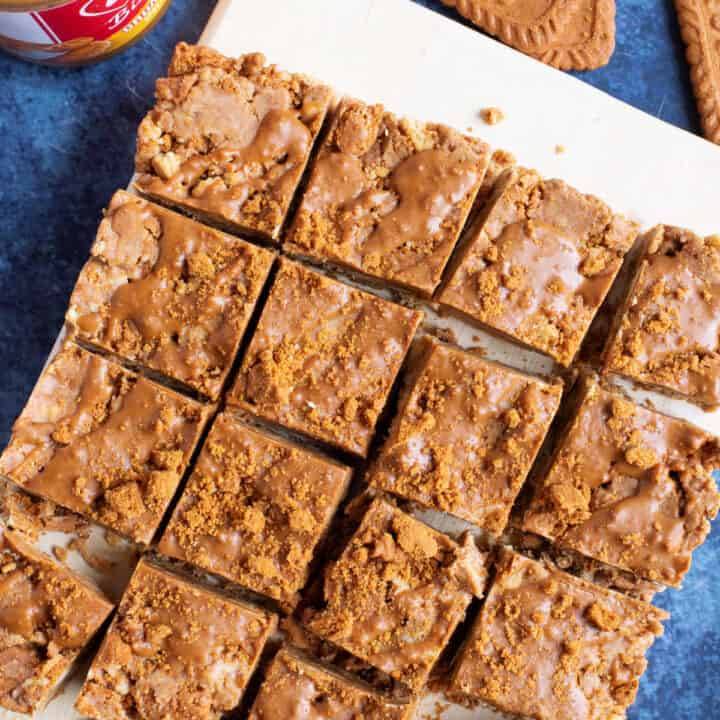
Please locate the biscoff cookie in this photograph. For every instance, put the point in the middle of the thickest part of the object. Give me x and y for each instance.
(525, 24)
(587, 40)
(700, 26)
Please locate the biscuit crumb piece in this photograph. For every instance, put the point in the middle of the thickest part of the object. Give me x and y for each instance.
(560, 149)
(492, 115)
(603, 618)
(60, 552)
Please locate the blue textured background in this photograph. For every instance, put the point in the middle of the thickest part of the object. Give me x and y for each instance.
(67, 143)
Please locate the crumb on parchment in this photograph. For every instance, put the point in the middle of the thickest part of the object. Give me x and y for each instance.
(492, 115)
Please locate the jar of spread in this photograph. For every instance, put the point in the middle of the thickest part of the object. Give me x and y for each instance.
(74, 32)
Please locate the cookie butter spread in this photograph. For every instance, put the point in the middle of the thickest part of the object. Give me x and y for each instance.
(296, 688)
(539, 262)
(669, 335)
(229, 138)
(388, 196)
(255, 508)
(550, 646)
(47, 616)
(465, 436)
(103, 442)
(397, 593)
(74, 32)
(167, 293)
(174, 651)
(629, 486)
(323, 358)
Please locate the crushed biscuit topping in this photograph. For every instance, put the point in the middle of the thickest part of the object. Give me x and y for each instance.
(669, 333)
(174, 651)
(540, 260)
(167, 293)
(388, 196)
(629, 486)
(103, 442)
(254, 509)
(466, 435)
(550, 646)
(397, 593)
(229, 138)
(323, 358)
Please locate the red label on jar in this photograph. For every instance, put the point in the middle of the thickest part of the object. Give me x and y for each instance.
(98, 19)
(77, 32)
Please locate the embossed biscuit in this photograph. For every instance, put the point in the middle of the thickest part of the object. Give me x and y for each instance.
(700, 26)
(527, 25)
(587, 40)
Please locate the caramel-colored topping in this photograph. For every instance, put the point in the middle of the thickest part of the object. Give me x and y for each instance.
(323, 358)
(103, 442)
(167, 293)
(229, 138)
(550, 646)
(397, 593)
(254, 509)
(630, 487)
(47, 616)
(466, 436)
(296, 688)
(174, 651)
(389, 196)
(669, 335)
(539, 263)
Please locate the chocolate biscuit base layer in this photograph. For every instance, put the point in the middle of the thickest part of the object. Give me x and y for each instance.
(254, 509)
(524, 24)
(103, 442)
(388, 196)
(396, 594)
(700, 26)
(587, 40)
(465, 435)
(48, 615)
(628, 486)
(538, 263)
(550, 646)
(297, 687)
(668, 334)
(174, 651)
(228, 139)
(167, 293)
(323, 358)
